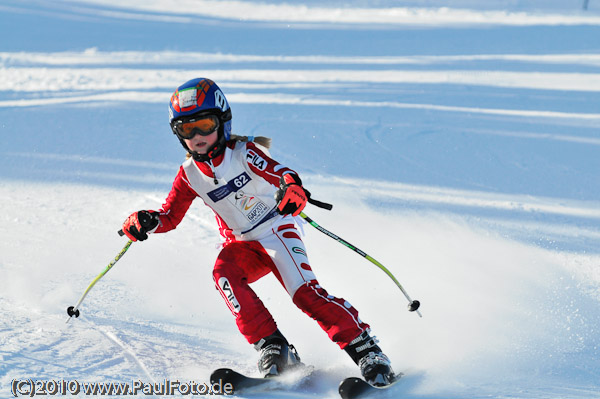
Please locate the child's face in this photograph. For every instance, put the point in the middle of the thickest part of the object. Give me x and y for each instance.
(201, 144)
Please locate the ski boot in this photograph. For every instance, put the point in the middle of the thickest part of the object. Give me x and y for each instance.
(276, 355)
(374, 365)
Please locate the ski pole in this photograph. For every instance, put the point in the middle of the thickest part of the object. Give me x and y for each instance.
(412, 305)
(74, 310)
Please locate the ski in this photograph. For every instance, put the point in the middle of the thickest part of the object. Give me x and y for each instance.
(237, 380)
(241, 382)
(356, 388)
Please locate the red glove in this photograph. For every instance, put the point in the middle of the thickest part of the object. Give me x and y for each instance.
(291, 198)
(139, 224)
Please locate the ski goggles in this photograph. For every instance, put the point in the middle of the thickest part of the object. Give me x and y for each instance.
(203, 125)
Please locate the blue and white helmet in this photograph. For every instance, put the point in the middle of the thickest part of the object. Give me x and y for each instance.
(198, 97)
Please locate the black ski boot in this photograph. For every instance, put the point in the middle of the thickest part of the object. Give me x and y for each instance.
(276, 355)
(374, 365)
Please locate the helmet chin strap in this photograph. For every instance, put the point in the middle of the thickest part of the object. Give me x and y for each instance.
(213, 152)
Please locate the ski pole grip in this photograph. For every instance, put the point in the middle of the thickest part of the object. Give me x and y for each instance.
(320, 204)
(317, 203)
(121, 233)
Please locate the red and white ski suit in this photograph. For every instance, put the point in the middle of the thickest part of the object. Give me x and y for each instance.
(239, 186)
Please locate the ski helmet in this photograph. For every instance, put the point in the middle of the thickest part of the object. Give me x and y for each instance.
(196, 98)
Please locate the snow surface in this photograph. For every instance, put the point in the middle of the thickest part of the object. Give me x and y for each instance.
(458, 141)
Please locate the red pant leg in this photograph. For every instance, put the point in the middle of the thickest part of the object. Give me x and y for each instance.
(336, 316)
(238, 264)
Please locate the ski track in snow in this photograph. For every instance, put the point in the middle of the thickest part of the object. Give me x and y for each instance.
(431, 14)
(476, 185)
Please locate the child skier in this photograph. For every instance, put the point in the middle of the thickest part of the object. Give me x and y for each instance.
(254, 199)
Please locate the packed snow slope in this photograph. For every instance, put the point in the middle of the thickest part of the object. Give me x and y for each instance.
(458, 142)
